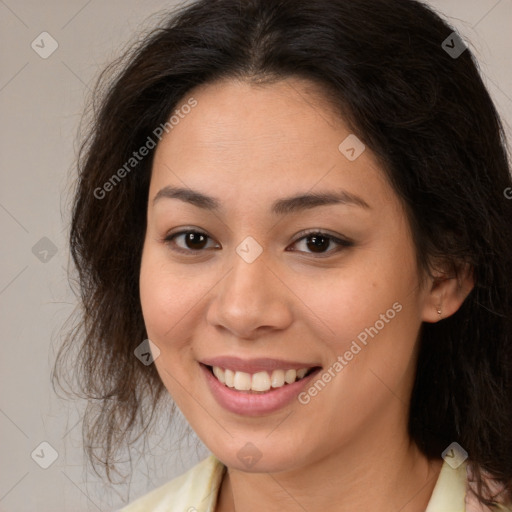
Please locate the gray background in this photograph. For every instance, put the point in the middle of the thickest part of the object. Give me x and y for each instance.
(41, 102)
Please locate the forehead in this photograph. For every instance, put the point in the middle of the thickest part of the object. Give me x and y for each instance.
(233, 116)
(259, 140)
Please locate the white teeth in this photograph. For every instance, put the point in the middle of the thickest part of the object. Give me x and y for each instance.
(260, 381)
(219, 373)
(242, 381)
(302, 372)
(290, 376)
(229, 377)
(277, 379)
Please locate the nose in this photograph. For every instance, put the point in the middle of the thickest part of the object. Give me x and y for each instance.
(251, 299)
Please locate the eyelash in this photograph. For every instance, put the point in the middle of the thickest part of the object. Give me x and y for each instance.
(343, 243)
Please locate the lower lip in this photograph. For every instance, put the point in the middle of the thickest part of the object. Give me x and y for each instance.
(254, 404)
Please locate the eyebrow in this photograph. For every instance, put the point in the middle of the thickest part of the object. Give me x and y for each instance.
(283, 206)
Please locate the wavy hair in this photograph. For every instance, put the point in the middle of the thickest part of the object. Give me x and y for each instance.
(426, 115)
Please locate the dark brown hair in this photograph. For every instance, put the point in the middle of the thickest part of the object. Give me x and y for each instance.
(427, 116)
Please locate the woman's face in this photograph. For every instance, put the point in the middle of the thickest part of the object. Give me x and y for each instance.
(257, 288)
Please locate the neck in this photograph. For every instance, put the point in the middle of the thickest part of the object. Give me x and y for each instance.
(385, 480)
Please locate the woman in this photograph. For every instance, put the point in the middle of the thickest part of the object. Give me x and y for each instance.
(292, 216)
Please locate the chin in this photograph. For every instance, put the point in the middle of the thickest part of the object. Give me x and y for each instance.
(249, 458)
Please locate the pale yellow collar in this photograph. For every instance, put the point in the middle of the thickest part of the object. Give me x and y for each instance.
(450, 490)
(448, 496)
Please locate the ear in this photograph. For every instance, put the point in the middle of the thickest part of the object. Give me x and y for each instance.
(446, 291)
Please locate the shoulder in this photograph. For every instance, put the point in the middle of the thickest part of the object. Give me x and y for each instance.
(495, 489)
(453, 491)
(194, 491)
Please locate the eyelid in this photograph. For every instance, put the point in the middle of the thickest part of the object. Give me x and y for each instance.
(342, 242)
(169, 238)
(319, 231)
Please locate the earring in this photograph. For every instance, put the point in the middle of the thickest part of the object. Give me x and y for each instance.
(439, 311)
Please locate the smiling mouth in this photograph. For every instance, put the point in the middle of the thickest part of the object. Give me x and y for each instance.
(259, 382)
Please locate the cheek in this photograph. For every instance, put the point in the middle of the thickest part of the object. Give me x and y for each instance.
(171, 297)
(350, 301)
(371, 316)
(343, 310)
(167, 304)
(164, 298)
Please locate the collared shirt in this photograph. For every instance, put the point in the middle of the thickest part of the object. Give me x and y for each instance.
(197, 491)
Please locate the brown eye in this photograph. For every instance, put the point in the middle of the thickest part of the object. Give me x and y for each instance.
(318, 242)
(191, 241)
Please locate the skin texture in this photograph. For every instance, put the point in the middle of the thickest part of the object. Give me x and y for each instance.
(247, 146)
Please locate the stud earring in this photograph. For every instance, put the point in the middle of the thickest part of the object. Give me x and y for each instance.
(439, 311)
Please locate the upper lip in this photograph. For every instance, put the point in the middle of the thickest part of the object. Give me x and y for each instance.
(255, 365)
